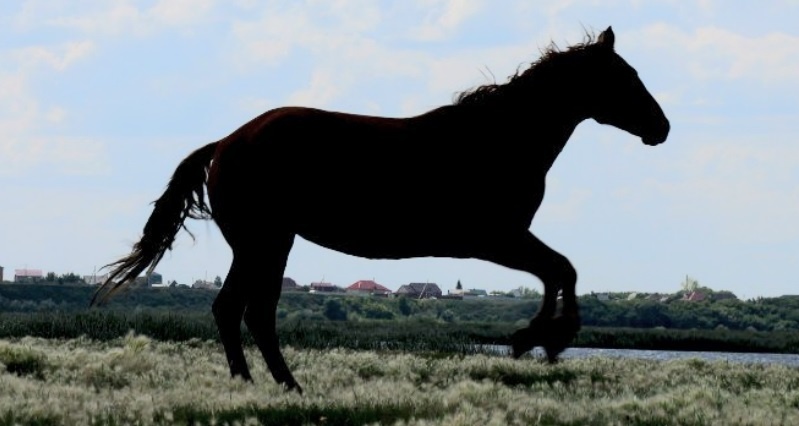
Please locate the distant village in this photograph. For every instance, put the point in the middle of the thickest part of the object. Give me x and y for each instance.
(416, 290)
(362, 287)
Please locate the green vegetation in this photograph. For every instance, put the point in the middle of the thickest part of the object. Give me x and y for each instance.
(410, 334)
(136, 380)
(452, 326)
(721, 310)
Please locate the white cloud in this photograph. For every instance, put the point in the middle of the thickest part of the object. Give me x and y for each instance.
(58, 57)
(270, 37)
(355, 16)
(29, 137)
(742, 190)
(322, 89)
(177, 13)
(712, 52)
(113, 18)
(445, 18)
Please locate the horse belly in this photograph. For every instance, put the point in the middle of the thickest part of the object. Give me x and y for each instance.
(387, 236)
(407, 233)
(389, 245)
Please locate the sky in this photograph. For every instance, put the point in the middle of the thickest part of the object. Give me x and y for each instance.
(101, 99)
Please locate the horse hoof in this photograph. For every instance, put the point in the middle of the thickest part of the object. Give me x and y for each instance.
(520, 345)
(525, 339)
(553, 354)
(561, 332)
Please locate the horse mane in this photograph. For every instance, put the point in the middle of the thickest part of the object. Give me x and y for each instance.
(551, 54)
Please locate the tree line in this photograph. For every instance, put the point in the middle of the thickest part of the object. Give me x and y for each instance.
(763, 314)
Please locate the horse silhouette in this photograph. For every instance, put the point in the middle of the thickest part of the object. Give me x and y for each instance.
(460, 181)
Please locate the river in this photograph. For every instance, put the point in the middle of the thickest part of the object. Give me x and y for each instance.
(791, 360)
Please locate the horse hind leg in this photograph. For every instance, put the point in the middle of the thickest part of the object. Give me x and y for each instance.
(527, 253)
(262, 301)
(228, 309)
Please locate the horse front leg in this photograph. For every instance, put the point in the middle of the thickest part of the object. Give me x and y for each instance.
(527, 253)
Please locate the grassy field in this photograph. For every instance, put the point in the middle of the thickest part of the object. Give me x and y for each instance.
(136, 380)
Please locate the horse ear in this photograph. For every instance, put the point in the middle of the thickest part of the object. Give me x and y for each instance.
(606, 38)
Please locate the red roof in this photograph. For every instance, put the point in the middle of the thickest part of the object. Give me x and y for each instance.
(695, 296)
(368, 285)
(28, 272)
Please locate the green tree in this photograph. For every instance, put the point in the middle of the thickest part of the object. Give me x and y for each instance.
(377, 311)
(458, 286)
(529, 293)
(334, 310)
(70, 278)
(405, 306)
(447, 316)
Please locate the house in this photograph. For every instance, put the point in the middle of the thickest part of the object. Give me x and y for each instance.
(205, 285)
(368, 287)
(457, 293)
(155, 279)
(694, 296)
(419, 290)
(323, 287)
(28, 275)
(474, 293)
(289, 284)
(148, 281)
(95, 279)
(604, 297)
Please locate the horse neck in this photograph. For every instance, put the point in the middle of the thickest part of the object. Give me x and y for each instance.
(544, 116)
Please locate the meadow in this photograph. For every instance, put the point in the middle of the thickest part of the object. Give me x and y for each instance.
(138, 380)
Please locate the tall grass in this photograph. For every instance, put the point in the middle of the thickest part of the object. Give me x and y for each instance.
(136, 380)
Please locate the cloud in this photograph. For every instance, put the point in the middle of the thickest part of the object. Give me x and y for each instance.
(322, 89)
(58, 57)
(179, 13)
(29, 131)
(741, 189)
(333, 29)
(445, 18)
(113, 18)
(711, 52)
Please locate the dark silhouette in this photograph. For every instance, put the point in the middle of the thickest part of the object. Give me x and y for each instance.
(460, 181)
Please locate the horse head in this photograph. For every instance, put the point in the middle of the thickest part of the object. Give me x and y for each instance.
(617, 96)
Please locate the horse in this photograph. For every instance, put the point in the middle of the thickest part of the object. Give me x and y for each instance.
(460, 181)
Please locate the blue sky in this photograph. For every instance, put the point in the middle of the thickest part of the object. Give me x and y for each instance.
(100, 100)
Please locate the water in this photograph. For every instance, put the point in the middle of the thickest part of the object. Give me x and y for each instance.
(791, 360)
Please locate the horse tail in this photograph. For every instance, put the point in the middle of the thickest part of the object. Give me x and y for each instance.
(183, 198)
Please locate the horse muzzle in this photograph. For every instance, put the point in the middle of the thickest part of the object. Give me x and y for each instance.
(658, 136)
